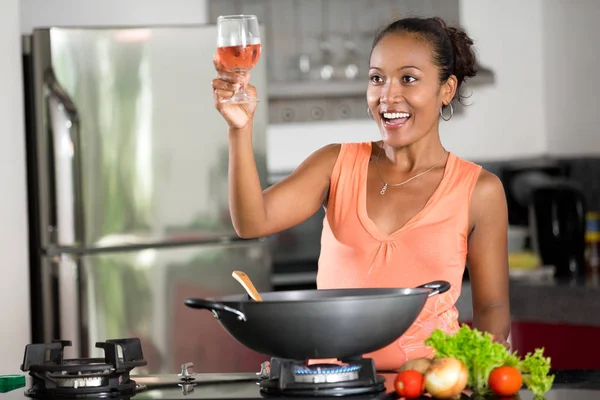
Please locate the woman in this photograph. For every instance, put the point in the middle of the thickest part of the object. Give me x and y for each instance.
(402, 211)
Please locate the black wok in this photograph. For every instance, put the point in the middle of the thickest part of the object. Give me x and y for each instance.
(312, 324)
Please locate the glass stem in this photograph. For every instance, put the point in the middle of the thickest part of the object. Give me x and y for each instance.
(242, 89)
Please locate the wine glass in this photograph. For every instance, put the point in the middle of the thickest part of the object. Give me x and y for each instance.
(238, 46)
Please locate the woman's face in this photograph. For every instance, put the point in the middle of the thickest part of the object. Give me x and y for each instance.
(404, 92)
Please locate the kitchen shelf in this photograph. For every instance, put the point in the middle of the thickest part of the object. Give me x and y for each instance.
(310, 89)
(484, 76)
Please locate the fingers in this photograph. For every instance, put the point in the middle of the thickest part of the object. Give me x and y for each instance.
(500, 339)
(223, 89)
(226, 84)
(225, 74)
(251, 90)
(220, 84)
(219, 95)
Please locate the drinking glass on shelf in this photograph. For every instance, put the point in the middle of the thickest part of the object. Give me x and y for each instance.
(238, 46)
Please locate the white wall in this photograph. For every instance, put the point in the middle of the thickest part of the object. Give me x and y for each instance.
(39, 13)
(14, 285)
(572, 87)
(506, 120)
(503, 121)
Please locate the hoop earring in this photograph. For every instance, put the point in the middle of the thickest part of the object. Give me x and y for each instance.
(451, 112)
(369, 113)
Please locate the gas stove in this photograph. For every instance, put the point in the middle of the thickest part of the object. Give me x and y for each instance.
(51, 376)
(296, 378)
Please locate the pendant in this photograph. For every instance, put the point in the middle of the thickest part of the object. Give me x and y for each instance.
(383, 189)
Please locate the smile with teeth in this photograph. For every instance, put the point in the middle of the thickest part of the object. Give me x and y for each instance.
(395, 115)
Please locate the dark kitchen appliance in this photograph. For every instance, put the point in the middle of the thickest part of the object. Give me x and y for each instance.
(541, 196)
(319, 324)
(557, 225)
(520, 177)
(115, 371)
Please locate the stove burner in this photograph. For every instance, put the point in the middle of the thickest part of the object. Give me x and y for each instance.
(295, 378)
(320, 373)
(97, 377)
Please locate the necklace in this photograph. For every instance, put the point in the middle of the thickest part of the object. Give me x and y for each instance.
(385, 184)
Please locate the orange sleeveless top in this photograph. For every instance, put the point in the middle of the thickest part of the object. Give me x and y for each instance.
(430, 246)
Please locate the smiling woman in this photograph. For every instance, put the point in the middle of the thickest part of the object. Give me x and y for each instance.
(401, 211)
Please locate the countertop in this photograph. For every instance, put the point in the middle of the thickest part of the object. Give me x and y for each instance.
(569, 385)
(550, 301)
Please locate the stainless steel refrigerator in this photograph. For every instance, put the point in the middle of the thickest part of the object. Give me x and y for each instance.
(127, 168)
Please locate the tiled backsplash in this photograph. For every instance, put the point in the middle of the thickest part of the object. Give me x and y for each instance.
(586, 171)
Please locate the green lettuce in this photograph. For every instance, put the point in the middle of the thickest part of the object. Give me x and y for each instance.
(535, 369)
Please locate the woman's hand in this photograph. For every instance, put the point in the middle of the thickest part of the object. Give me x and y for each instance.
(500, 339)
(238, 116)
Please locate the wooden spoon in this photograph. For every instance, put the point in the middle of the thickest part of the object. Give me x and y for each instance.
(245, 281)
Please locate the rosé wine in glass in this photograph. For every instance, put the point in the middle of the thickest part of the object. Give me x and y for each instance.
(238, 47)
(239, 58)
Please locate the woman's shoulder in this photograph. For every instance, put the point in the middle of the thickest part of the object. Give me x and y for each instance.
(488, 195)
(350, 146)
(465, 164)
(488, 187)
(486, 191)
(485, 184)
(333, 152)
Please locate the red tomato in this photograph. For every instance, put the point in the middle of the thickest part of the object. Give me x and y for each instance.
(505, 381)
(409, 384)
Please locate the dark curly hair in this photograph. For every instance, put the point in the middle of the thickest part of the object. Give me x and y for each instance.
(452, 47)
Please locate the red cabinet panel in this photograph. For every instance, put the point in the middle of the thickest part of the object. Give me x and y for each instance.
(569, 346)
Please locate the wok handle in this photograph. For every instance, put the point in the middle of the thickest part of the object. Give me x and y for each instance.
(213, 306)
(438, 287)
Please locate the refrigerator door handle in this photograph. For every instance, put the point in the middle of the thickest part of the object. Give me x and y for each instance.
(66, 224)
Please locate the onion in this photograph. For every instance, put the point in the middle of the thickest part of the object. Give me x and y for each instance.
(418, 364)
(446, 378)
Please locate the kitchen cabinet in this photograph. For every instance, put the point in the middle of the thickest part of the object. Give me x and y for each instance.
(569, 346)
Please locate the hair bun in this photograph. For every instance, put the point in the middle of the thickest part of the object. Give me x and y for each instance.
(464, 56)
